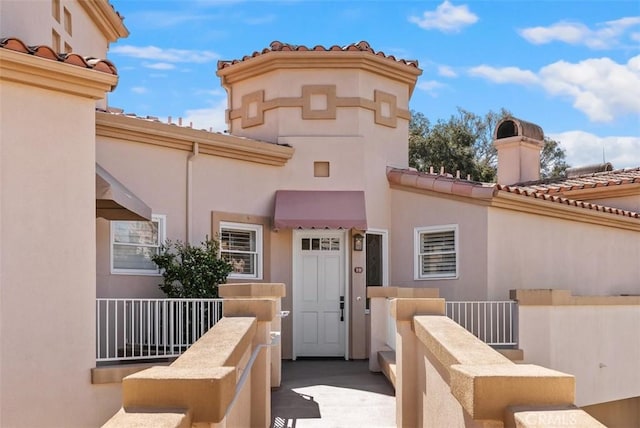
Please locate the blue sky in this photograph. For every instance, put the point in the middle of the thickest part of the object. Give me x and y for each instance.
(573, 67)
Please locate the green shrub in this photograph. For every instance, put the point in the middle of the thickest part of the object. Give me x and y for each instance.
(191, 271)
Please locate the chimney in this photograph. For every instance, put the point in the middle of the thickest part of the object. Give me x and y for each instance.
(519, 144)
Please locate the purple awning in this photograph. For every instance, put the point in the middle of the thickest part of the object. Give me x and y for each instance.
(320, 209)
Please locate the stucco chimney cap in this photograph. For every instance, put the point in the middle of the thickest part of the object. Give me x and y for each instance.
(513, 127)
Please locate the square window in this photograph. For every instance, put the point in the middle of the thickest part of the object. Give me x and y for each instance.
(241, 246)
(133, 243)
(321, 169)
(436, 252)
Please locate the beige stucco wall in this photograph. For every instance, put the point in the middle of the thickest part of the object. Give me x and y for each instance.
(533, 251)
(411, 210)
(47, 248)
(33, 22)
(598, 344)
(617, 414)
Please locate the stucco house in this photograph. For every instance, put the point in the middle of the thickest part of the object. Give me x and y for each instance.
(310, 187)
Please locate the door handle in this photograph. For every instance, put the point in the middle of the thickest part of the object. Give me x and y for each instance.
(341, 308)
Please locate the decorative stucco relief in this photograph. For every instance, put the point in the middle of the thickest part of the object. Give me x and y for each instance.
(319, 102)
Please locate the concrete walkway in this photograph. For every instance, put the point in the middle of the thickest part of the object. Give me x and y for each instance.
(330, 394)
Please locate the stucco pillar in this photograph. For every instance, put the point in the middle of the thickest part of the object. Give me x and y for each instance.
(274, 291)
(260, 412)
(403, 311)
(358, 305)
(379, 319)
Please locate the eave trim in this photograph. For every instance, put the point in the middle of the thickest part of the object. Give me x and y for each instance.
(180, 138)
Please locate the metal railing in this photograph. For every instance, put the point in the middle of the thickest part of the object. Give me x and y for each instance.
(141, 329)
(494, 322)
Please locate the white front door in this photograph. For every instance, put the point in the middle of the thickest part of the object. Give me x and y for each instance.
(319, 294)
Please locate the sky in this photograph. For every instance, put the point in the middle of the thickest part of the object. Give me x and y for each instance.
(572, 67)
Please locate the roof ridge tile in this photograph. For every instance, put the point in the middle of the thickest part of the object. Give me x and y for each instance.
(277, 46)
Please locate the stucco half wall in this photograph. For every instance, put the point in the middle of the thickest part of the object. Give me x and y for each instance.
(535, 251)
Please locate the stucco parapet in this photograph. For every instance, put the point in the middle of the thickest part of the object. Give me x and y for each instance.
(165, 418)
(252, 289)
(206, 392)
(551, 416)
(405, 309)
(223, 345)
(263, 309)
(107, 19)
(452, 344)
(406, 292)
(57, 76)
(485, 391)
(551, 297)
(320, 59)
(153, 131)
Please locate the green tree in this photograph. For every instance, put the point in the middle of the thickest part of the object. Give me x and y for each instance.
(191, 271)
(465, 143)
(552, 159)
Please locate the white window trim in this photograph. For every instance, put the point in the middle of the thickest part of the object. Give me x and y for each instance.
(257, 228)
(417, 271)
(162, 233)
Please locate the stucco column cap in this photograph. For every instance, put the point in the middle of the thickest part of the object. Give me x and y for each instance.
(263, 309)
(406, 309)
(407, 292)
(205, 392)
(485, 391)
(252, 289)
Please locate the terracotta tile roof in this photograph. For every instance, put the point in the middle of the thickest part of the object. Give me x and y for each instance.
(532, 193)
(455, 186)
(581, 182)
(276, 46)
(102, 65)
(441, 183)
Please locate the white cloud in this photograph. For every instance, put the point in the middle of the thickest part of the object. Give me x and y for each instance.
(206, 118)
(446, 18)
(583, 148)
(430, 86)
(599, 87)
(266, 19)
(165, 55)
(139, 90)
(446, 71)
(605, 36)
(160, 66)
(505, 74)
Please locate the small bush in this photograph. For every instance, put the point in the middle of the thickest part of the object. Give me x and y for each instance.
(191, 271)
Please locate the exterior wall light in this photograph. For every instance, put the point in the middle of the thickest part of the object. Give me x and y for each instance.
(358, 242)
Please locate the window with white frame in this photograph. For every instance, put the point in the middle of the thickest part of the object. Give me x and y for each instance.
(133, 243)
(436, 252)
(241, 245)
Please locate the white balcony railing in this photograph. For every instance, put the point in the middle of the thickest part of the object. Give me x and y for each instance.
(493, 322)
(141, 329)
